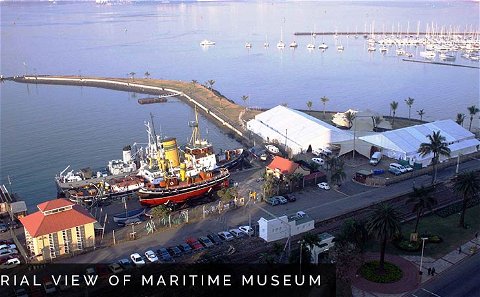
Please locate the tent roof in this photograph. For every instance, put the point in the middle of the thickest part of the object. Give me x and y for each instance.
(300, 128)
(407, 140)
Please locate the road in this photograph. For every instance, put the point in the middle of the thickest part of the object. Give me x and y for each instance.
(462, 280)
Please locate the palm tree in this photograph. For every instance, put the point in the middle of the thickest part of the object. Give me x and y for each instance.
(353, 231)
(350, 116)
(393, 109)
(245, 98)
(466, 184)
(421, 200)
(409, 102)
(132, 75)
(460, 118)
(436, 146)
(383, 224)
(309, 105)
(310, 240)
(421, 113)
(210, 82)
(324, 100)
(147, 74)
(473, 110)
(338, 176)
(194, 81)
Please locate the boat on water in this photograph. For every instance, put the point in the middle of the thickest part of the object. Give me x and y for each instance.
(383, 49)
(281, 44)
(207, 42)
(169, 179)
(230, 159)
(323, 46)
(400, 52)
(428, 55)
(124, 216)
(294, 44)
(447, 57)
(272, 149)
(248, 45)
(340, 48)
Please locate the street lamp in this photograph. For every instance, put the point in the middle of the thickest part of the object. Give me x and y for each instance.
(421, 258)
(301, 245)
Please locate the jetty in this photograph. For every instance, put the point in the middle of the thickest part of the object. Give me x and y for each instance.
(440, 63)
(229, 115)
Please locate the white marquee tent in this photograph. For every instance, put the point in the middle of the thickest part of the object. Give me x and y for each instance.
(404, 143)
(299, 130)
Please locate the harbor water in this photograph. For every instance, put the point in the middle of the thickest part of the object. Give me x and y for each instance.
(45, 128)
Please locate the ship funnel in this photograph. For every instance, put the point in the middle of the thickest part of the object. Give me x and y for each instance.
(127, 154)
(171, 151)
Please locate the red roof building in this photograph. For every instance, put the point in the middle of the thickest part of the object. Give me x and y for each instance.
(60, 225)
(282, 166)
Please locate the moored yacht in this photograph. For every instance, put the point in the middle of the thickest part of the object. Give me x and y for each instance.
(207, 42)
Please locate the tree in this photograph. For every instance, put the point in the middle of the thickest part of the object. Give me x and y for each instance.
(393, 110)
(353, 231)
(293, 180)
(383, 224)
(245, 98)
(376, 121)
(324, 100)
(473, 110)
(350, 117)
(466, 184)
(310, 240)
(460, 118)
(270, 186)
(132, 75)
(421, 200)
(436, 146)
(338, 176)
(421, 113)
(160, 211)
(409, 102)
(147, 74)
(210, 82)
(309, 105)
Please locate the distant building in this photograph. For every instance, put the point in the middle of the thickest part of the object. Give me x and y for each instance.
(280, 167)
(282, 227)
(60, 227)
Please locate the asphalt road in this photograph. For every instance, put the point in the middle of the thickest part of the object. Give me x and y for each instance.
(462, 280)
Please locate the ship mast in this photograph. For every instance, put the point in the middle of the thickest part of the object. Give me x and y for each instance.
(195, 139)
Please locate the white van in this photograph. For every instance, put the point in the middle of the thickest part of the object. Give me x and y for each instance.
(319, 161)
(375, 158)
(398, 167)
(322, 151)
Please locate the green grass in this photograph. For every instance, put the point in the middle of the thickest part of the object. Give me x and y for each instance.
(446, 228)
(369, 271)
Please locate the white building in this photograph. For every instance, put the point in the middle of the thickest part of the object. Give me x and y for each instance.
(404, 143)
(326, 242)
(282, 227)
(296, 129)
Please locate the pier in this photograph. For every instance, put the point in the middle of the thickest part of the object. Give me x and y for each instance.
(209, 101)
(440, 63)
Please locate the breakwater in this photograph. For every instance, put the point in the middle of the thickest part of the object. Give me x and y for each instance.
(440, 63)
(224, 112)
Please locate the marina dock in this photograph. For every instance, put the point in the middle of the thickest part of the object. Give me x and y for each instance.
(224, 111)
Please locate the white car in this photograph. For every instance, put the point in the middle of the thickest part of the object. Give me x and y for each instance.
(236, 232)
(246, 229)
(151, 256)
(8, 246)
(137, 259)
(226, 235)
(10, 263)
(324, 186)
(319, 161)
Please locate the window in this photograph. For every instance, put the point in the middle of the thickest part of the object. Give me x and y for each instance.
(51, 244)
(79, 238)
(66, 242)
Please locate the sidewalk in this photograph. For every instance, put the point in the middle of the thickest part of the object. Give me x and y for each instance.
(364, 288)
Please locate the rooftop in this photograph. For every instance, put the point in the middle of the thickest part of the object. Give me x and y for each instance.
(285, 166)
(54, 204)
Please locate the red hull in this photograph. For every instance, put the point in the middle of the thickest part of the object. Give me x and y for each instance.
(149, 199)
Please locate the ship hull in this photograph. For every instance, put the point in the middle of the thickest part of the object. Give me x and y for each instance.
(153, 198)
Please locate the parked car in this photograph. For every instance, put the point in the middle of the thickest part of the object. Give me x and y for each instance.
(8, 252)
(272, 201)
(408, 168)
(398, 167)
(102, 270)
(7, 246)
(290, 197)
(164, 254)
(281, 199)
(10, 263)
(125, 263)
(324, 186)
(237, 233)
(185, 247)
(227, 236)
(322, 151)
(14, 225)
(196, 246)
(205, 241)
(49, 287)
(319, 161)
(247, 230)
(3, 227)
(151, 256)
(394, 171)
(214, 238)
(115, 268)
(20, 292)
(175, 251)
(137, 259)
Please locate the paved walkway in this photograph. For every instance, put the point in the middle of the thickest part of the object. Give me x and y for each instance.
(412, 279)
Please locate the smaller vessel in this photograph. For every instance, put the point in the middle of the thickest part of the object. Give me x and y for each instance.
(400, 52)
(207, 42)
(323, 46)
(428, 55)
(371, 49)
(272, 149)
(248, 45)
(446, 57)
(266, 44)
(340, 48)
(409, 55)
(293, 44)
(311, 46)
(124, 216)
(383, 49)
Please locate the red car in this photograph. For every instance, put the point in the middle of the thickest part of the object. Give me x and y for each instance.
(196, 246)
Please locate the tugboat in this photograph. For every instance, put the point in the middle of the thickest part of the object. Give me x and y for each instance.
(172, 180)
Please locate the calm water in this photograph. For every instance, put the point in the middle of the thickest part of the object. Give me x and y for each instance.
(46, 128)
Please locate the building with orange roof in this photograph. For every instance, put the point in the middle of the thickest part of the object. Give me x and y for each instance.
(59, 227)
(279, 167)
